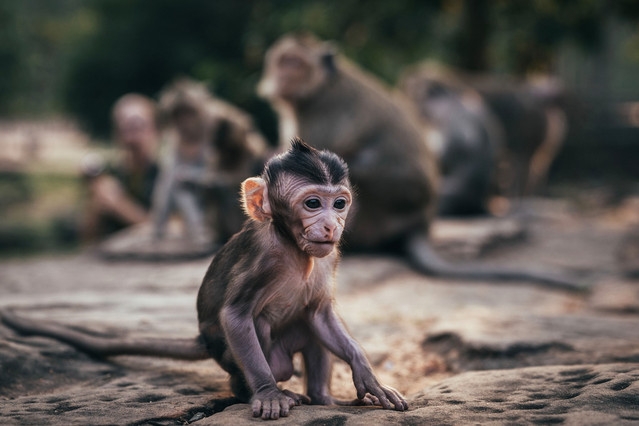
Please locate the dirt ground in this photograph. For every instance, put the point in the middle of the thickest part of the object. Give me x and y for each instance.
(451, 347)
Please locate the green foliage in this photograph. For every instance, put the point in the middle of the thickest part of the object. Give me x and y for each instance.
(35, 39)
(38, 212)
(15, 189)
(140, 46)
(84, 55)
(9, 56)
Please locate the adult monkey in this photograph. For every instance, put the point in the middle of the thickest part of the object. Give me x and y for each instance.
(534, 121)
(467, 139)
(333, 105)
(268, 294)
(213, 147)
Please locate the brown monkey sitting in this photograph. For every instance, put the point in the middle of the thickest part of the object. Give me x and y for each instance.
(534, 121)
(332, 104)
(268, 293)
(467, 140)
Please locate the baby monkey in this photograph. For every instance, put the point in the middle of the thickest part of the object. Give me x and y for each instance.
(268, 293)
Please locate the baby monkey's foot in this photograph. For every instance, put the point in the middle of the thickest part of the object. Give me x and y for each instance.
(272, 404)
(297, 397)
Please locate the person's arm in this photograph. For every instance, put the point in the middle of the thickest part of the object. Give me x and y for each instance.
(110, 197)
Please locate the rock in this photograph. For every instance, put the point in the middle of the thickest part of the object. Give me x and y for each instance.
(122, 401)
(616, 296)
(488, 341)
(422, 334)
(37, 367)
(587, 394)
(137, 243)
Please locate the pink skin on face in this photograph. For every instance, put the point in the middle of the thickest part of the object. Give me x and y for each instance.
(323, 211)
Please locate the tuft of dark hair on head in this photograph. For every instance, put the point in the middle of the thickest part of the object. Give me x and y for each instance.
(298, 144)
(320, 167)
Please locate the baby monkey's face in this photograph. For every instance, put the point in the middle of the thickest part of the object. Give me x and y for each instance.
(303, 196)
(322, 212)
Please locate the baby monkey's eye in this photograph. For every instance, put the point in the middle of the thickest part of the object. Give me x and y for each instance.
(339, 204)
(313, 203)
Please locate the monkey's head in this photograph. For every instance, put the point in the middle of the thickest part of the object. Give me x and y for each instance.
(182, 105)
(305, 194)
(431, 86)
(296, 67)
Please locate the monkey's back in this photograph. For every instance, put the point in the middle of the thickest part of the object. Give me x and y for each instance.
(390, 165)
(233, 256)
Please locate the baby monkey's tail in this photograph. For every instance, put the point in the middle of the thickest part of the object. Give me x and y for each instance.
(102, 347)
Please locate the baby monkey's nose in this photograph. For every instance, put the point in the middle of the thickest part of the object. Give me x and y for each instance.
(329, 230)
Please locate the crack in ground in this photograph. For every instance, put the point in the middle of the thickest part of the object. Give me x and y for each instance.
(462, 356)
(192, 415)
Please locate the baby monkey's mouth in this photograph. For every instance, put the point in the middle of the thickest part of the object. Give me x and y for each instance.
(326, 242)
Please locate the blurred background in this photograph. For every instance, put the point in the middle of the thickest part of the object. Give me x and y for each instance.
(64, 63)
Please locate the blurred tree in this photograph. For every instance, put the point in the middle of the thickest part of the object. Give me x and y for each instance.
(34, 43)
(526, 35)
(10, 58)
(141, 46)
(472, 35)
(137, 45)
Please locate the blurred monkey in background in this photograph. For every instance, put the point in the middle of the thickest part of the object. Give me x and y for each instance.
(523, 124)
(211, 148)
(466, 138)
(534, 123)
(333, 105)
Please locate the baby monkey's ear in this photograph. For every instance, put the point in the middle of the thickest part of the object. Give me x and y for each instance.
(255, 199)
